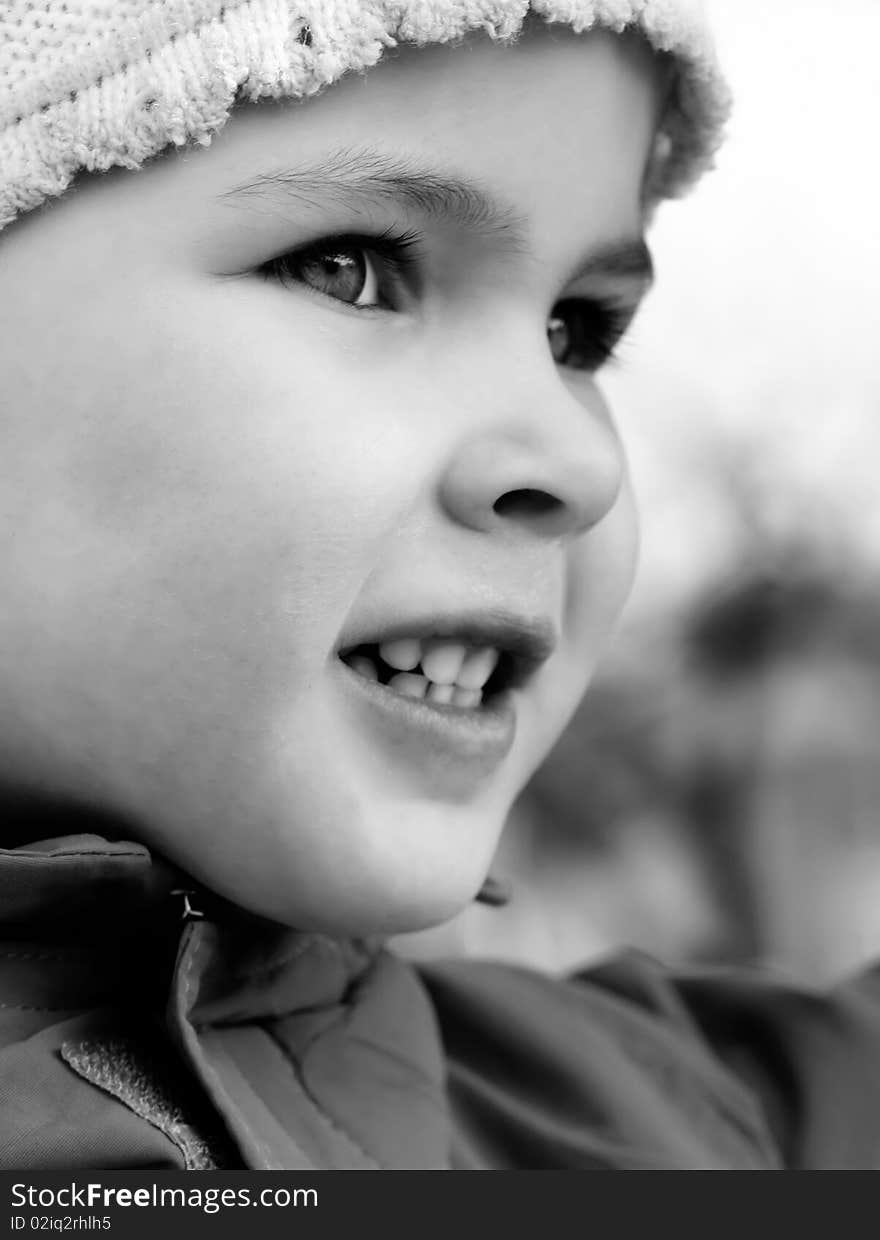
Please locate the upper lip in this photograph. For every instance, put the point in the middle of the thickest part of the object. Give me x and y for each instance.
(528, 640)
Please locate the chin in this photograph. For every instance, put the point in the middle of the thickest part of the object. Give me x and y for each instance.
(393, 870)
(385, 909)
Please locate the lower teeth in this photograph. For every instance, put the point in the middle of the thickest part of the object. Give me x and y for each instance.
(468, 698)
(408, 684)
(441, 694)
(364, 667)
(412, 685)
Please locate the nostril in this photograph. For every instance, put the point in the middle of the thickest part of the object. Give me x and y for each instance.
(527, 505)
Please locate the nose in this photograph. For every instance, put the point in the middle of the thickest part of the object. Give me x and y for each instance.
(550, 466)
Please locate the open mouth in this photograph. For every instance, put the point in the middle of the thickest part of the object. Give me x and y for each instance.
(440, 671)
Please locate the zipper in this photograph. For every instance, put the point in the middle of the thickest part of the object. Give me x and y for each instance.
(189, 911)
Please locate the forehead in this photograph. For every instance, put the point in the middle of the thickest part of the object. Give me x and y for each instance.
(552, 106)
(555, 131)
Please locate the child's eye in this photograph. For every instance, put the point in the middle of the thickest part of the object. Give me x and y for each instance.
(584, 333)
(363, 272)
(344, 274)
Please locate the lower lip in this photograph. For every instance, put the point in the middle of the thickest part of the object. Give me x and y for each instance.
(457, 747)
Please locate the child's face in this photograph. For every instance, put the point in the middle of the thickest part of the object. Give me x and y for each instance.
(216, 483)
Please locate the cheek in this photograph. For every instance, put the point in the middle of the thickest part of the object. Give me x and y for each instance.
(601, 568)
(601, 573)
(194, 515)
(214, 474)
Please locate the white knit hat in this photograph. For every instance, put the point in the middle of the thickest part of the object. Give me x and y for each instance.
(89, 84)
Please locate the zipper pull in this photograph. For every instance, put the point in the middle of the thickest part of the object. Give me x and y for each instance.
(189, 912)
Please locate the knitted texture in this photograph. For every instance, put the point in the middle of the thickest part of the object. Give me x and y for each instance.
(89, 84)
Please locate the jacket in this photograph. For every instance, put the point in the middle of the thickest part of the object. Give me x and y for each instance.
(145, 1025)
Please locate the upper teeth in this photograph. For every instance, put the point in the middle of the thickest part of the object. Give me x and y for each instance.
(442, 662)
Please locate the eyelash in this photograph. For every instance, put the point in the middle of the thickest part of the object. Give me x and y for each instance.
(601, 323)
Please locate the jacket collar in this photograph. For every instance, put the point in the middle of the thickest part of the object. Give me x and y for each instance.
(317, 1052)
(104, 900)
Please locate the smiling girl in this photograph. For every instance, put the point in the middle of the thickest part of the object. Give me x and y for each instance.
(314, 522)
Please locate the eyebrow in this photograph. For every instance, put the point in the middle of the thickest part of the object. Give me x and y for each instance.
(621, 260)
(361, 176)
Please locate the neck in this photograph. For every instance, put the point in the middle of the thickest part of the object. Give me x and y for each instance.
(27, 815)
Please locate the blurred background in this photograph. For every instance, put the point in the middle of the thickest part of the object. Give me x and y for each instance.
(717, 797)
